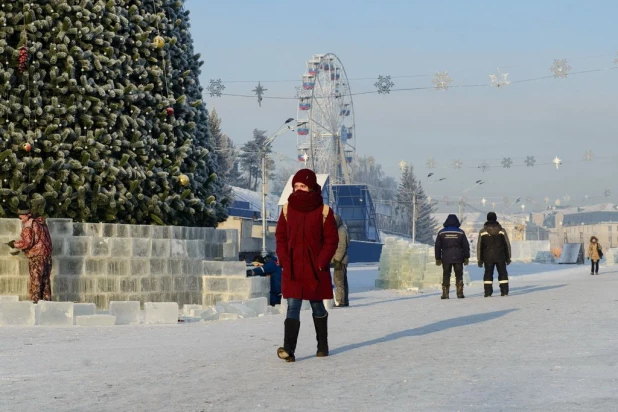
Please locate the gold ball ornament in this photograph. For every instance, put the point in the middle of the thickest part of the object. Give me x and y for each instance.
(158, 42)
(183, 179)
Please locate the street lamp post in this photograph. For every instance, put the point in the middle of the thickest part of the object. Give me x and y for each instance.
(267, 142)
(461, 200)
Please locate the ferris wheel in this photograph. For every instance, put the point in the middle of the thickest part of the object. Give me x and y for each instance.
(325, 121)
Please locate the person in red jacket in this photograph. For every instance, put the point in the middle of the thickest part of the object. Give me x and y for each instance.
(36, 244)
(307, 239)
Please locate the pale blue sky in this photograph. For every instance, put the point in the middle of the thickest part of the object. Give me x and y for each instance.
(271, 40)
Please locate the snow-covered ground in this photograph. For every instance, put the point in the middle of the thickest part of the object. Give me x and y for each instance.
(552, 345)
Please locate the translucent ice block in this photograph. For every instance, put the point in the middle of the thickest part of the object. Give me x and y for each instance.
(55, 313)
(95, 320)
(186, 309)
(17, 314)
(127, 313)
(228, 316)
(242, 310)
(84, 309)
(9, 298)
(258, 305)
(161, 312)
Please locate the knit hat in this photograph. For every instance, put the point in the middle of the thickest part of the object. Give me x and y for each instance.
(307, 177)
(491, 217)
(23, 209)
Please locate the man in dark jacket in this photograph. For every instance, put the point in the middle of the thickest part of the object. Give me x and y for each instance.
(452, 252)
(268, 266)
(494, 250)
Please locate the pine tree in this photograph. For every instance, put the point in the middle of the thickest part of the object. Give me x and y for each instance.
(251, 159)
(102, 117)
(425, 223)
(227, 154)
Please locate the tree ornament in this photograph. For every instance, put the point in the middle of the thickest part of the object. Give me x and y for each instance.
(183, 180)
(158, 42)
(27, 147)
(169, 111)
(23, 59)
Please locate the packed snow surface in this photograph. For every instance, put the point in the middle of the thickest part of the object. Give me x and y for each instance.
(551, 345)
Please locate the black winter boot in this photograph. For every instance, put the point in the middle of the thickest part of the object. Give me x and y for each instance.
(504, 289)
(459, 286)
(290, 337)
(321, 335)
(445, 292)
(489, 290)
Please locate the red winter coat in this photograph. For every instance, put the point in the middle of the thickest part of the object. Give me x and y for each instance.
(306, 244)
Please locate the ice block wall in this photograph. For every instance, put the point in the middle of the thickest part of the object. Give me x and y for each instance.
(404, 265)
(100, 262)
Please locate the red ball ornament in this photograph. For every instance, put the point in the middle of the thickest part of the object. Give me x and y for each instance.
(23, 59)
(170, 111)
(27, 147)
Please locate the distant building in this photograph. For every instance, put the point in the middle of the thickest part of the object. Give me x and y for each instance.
(578, 224)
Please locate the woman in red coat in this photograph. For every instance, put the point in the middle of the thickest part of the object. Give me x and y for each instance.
(307, 239)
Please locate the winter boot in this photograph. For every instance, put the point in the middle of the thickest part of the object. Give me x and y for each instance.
(504, 289)
(489, 290)
(445, 292)
(290, 337)
(459, 286)
(321, 334)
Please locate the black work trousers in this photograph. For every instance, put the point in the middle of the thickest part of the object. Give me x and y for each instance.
(447, 268)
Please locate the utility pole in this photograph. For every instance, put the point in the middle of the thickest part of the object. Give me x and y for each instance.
(414, 217)
(267, 142)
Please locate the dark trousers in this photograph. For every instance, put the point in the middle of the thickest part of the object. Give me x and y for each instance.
(503, 276)
(447, 268)
(595, 266)
(341, 283)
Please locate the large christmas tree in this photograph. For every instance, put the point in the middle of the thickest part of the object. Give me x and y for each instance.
(101, 117)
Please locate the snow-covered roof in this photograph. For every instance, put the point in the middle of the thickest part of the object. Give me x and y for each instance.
(255, 201)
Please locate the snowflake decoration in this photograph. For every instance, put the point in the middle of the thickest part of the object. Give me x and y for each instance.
(557, 162)
(608, 193)
(557, 202)
(546, 199)
(302, 93)
(499, 79)
(483, 201)
(507, 162)
(431, 163)
(493, 205)
(457, 164)
(484, 166)
(402, 165)
(560, 68)
(384, 84)
(215, 88)
(530, 161)
(586, 197)
(523, 207)
(588, 155)
(429, 199)
(305, 157)
(259, 92)
(441, 80)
